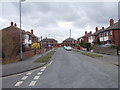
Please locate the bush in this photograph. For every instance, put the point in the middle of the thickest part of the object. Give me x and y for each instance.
(35, 46)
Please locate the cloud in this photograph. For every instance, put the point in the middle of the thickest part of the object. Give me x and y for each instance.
(57, 18)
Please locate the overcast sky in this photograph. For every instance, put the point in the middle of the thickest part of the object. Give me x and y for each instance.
(55, 19)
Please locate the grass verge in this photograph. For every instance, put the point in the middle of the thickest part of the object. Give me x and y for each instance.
(45, 58)
(74, 50)
(91, 55)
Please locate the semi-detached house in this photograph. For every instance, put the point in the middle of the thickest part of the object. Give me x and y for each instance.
(111, 34)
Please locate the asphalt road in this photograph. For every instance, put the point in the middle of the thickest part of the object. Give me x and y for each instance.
(68, 70)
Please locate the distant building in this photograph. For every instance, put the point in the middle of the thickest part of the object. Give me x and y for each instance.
(69, 42)
(30, 38)
(49, 42)
(86, 38)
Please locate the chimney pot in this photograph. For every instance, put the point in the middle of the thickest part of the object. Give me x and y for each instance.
(96, 29)
(119, 20)
(103, 28)
(32, 31)
(111, 22)
(85, 32)
(46, 37)
(15, 25)
(11, 23)
(90, 32)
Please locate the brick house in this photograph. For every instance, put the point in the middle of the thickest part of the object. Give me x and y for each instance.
(11, 40)
(86, 38)
(30, 38)
(108, 35)
(93, 38)
(69, 42)
(111, 34)
(49, 42)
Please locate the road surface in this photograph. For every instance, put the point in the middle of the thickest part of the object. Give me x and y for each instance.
(68, 70)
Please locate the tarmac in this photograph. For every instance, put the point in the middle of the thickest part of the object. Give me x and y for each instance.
(28, 64)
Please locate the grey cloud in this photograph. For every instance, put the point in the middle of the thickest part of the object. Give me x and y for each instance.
(44, 17)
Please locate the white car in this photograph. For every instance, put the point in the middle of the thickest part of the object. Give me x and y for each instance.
(65, 47)
(68, 48)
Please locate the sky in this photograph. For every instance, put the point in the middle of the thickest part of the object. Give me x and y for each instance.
(55, 19)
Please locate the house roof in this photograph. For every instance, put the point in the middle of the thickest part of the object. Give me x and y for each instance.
(29, 33)
(112, 27)
(96, 33)
(48, 39)
(15, 29)
(70, 39)
(86, 35)
(12, 29)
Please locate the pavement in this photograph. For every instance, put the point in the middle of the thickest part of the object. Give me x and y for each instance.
(112, 59)
(67, 70)
(22, 66)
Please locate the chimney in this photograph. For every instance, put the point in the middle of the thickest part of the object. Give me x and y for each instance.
(11, 23)
(111, 22)
(85, 32)
(103, 28)
(119, 20)
(32, 31)
(46, 37)
(96, 29)
(90, 32)
(15, 25)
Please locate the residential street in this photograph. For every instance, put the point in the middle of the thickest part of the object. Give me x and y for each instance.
(68, 70)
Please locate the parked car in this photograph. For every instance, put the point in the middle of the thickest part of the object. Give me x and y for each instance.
(68, 48)
(108, 45)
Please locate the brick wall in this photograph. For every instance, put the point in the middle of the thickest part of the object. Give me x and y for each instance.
(28, 54)
(108, 51)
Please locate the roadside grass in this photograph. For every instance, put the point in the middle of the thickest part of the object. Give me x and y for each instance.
(92, 55)
(74, 50)
(45, 58)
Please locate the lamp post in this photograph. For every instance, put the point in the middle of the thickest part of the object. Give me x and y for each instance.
(21, 57)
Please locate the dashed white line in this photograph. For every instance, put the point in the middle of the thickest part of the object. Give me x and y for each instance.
(36, 77)
(42, 70)
(29, 73)
(32, 83)
(24, 78)
(18, 83)
(39, 73)
(44, 67)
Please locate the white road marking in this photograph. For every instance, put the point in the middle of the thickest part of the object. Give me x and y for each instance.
(36, 77)
(29, 73)
(24, 78)
(44, 67)
(42, 70)
(19, 83)
(32, 83)
(39, 73)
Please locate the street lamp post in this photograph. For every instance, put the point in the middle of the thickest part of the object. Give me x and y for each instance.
(21, 57)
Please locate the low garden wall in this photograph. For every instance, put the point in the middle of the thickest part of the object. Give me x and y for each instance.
(105, 50)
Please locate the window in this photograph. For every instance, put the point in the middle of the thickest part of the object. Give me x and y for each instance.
(105, 33)
(111, 32)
